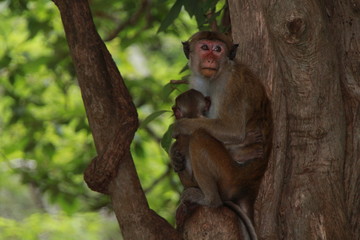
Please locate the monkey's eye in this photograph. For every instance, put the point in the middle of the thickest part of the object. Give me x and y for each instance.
(205, 47)
(217, 48)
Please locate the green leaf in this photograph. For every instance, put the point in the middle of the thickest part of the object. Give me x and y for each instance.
(186, 67)
(172, 15)
(167, 90)
(195, 8)
(139, 149)
(167, 139)
(5, 60)
(191, 7)
(151, 117)
(209, 4)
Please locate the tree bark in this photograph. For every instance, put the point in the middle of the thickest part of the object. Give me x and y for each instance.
(113, 121)
(345, 22)
(304, 51)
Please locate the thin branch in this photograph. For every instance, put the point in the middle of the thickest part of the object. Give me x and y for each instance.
(37, 196)
(226, 21)
(105, 15)
(159, 179)
(182, 81)
(130, 21)
(212, 20)
(152, 134)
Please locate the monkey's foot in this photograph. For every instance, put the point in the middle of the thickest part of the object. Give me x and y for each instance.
(193, 195)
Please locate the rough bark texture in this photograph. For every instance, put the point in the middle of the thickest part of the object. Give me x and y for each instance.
(197, 222)
(210, 223)
(113, 120)
(345, 22)
(304, 51)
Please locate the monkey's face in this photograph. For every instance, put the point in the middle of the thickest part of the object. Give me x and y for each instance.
(191, 104)
(209, 55)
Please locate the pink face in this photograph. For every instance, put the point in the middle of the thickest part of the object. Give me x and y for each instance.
(210, 53)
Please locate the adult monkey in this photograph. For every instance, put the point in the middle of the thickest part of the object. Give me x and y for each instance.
(240, 110)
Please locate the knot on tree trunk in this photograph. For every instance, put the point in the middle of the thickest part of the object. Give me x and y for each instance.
(296, 28)
(104, 167)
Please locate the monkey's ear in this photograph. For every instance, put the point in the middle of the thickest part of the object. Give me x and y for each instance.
(177, 112)
(207, 103)
(232, 52)
(186, 48)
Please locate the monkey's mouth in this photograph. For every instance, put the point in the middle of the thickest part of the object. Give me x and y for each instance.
(208, 72)
(210, 69)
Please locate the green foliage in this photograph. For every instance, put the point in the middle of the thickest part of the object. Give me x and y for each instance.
(171, 16)
(45, 139)
(151, 117)
(58, 227)
(205, 12)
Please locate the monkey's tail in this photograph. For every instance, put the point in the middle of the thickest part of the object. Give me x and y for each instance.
(246, 220)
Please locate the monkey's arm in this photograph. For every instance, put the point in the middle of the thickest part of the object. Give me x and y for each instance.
(218, 128)
(229, 126)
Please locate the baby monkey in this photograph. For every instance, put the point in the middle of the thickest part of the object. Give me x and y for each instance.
(190, 104)
(193, 104)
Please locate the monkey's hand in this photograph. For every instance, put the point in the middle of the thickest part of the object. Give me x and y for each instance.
(178, 153)
(182, 126)
(178, 161)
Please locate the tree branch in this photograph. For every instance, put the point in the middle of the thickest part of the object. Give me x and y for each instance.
(130, 21)
(113, 121)
(159, 179)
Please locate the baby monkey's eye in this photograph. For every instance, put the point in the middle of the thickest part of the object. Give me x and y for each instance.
(217, 48)
(205, 47)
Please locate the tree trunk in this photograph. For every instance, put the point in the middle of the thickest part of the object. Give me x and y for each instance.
(113, 121)
(307, 54)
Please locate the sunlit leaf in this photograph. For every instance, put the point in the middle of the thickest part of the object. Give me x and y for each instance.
(151, 117)
(167, 90)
